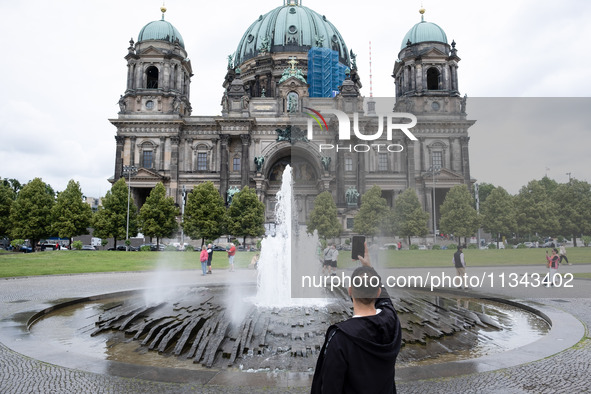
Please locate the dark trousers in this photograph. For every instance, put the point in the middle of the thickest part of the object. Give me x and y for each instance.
(563, 256)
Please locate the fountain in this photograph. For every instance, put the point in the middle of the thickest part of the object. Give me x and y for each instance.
(276, 325)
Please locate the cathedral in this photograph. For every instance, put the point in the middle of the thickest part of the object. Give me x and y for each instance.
(292, 91)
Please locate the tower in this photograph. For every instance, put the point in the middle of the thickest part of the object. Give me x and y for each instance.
(426, 78)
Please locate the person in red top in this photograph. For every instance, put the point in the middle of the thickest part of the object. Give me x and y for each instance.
(203, 259)
(553, 262)
(231, 253)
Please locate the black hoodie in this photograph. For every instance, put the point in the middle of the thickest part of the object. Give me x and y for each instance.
(359, 354)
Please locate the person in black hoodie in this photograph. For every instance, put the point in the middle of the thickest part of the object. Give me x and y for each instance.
(359, 354)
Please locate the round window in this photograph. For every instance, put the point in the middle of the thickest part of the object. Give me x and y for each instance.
(292, 10)
(149, 104)
(293, 29)
(250, 38)
(435, 106)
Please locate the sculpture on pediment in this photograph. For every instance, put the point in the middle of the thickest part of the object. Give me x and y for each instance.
(326, 163)
(351, 196)
(230, 194)
(259, 161)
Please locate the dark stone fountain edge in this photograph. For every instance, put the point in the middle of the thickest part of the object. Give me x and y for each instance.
(566, 331)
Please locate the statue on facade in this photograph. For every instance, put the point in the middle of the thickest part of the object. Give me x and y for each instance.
(224, 102)
(319, 39)
(291, 134)
(122, 104)
(353, 60)
(292, 104)
(244, 100)
(230, 194)
(259, 161)
(230, 61)
(263, 92)
(326, 162)
(351, 196)
(463, 104)
(176, 104)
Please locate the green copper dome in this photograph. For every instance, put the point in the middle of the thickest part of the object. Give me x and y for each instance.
(162, 31)
(424, 32)
(290, 28)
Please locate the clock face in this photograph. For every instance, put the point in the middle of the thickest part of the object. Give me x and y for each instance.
(149, 104)
(435, 106)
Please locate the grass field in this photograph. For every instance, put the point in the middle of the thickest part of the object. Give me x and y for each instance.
(70, 262)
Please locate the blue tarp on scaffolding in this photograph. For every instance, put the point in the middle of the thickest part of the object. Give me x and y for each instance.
(325, 73)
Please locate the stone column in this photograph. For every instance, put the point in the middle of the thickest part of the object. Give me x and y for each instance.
(132, 151)
(119, 156)
(161, 159)
(138, 76)
(245, 164)
(166, 77)
(464, 141)
(129, 76)
(419, 75)
(422, 152)
(445, 76)
(411, 164)
(174, 166)
(224, 140)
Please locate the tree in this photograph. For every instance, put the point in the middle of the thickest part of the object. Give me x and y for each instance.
(70, 215)
(458, 216)
(323, 217)
(408, 216)
(7, 196)
(498, 213)
(14, 184)
(111, 219)
(158, 215)
(205, 214)
(30, 214)
(373, 214)
(573, 201)
(246, 215)
(536, 210)
(484, 190)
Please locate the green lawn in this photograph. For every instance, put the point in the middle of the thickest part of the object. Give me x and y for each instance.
(69, 262)
(72, 262)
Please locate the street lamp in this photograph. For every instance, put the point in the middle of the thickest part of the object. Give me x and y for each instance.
(434, 170)
(129, 170)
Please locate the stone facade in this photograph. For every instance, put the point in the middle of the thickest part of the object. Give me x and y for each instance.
(266, 96)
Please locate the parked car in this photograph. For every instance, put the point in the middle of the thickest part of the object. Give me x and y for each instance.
(423, 247)
(88, 247)
(219, 248)
(124, 248)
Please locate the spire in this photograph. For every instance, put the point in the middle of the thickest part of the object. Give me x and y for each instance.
(163, 9)
(422, 12)
(370, 76)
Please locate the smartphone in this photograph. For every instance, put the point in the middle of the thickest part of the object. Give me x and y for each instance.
(357, 246)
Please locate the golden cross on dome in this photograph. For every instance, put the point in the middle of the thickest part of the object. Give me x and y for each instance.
(293, 62)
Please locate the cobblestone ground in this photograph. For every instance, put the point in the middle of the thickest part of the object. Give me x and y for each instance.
(566, 372)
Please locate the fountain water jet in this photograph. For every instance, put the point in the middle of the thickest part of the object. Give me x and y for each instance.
(287, 256)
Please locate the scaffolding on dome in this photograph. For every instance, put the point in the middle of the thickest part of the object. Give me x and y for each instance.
(325, 73)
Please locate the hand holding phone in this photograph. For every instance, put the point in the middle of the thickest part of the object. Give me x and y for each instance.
(357, 246)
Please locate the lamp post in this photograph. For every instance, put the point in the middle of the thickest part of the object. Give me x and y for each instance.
(477, 195)
(129, 170)
(434, 170)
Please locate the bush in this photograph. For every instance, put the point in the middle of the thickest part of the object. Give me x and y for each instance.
(145, 248)
(259, 243)
(586, 240)
(492, 245)
(472, 246)
(521, 246)
(77, 245)
(16, 243)
(436, 247)
(347, 241)
(413, 247)
(170, 248)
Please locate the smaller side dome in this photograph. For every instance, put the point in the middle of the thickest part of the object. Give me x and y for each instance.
(162, 31)
(424, 32)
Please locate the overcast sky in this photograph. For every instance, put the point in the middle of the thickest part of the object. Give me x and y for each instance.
(63, 71)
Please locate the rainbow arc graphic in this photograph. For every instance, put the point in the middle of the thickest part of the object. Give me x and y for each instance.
(316, 115)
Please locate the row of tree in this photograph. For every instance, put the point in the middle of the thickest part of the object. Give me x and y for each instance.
(34, 211)
(542, 207)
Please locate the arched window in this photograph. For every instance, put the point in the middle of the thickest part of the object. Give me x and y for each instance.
(152, 78)
(433, 78)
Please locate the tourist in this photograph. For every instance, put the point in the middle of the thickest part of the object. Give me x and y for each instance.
(563, 254)
(203, 259)
(231, 253)
(327, 260)
(334, 257)
(553, 262)
(209, 257)
(460, 264)
(254, 262)
(359, 354)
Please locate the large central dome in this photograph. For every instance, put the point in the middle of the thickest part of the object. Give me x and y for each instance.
(290, 28)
